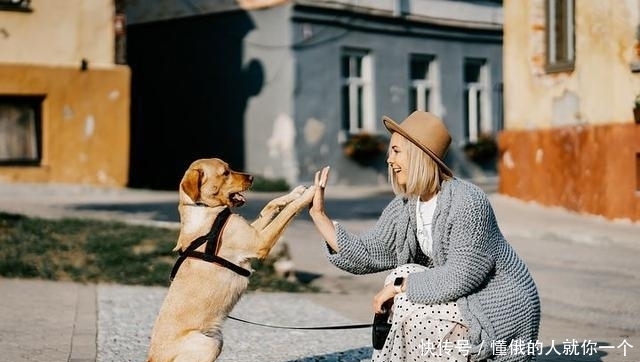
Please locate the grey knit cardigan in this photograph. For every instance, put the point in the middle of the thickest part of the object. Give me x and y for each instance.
(472, 264)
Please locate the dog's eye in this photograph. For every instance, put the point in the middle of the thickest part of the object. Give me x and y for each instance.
(226, 173)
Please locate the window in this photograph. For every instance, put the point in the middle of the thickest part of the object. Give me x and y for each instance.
(20, 130)
(424, 83)
(499, 100)
(15, 5)
(477, 99)
(560, 35)
(357, 92)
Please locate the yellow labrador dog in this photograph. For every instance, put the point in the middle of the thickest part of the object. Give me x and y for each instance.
(212, 271)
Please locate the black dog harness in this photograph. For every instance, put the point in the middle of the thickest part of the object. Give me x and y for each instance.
(211, 250)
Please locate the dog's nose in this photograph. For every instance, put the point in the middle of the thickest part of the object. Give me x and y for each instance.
(250, 178)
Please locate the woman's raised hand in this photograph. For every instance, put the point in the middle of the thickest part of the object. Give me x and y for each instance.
(317, 212)
(317, 204)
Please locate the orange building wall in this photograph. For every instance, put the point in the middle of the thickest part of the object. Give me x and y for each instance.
(570, 139)
(85, 123)
(589, 169)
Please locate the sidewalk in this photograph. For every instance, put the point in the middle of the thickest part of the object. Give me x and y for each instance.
(47, 321)
(57, 321)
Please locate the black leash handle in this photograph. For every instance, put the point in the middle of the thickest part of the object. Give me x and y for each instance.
(348, 326)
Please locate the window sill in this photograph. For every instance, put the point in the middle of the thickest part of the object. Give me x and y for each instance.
(560, 68)
(20, 163)
(21, 7)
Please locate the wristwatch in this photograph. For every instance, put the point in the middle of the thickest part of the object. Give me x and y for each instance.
(397, 284)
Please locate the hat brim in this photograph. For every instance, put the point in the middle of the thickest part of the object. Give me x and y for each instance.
(393, 126)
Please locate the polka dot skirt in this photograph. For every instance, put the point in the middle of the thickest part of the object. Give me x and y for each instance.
(421, 332)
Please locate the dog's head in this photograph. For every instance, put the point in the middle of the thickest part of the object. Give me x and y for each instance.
(211, 182)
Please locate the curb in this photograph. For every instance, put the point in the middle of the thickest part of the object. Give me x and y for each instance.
(85, 328)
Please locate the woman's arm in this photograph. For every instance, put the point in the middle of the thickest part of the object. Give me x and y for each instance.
(375, 249)
(368, 252)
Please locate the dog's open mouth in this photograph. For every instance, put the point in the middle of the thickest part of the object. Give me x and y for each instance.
(237, 199)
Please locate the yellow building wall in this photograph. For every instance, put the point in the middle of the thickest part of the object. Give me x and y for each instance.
(59, 32)
(85, 114)
(570, 139)
(85, 123)
(601, 81)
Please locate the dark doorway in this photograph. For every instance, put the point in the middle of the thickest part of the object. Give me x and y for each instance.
(189, 91)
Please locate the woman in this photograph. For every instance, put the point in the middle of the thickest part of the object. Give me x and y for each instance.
(459, 290)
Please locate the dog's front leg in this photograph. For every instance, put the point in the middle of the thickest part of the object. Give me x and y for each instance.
(271, 233)
(274, 206)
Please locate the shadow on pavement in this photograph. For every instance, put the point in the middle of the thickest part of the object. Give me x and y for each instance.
(351, 209)
(158, 211)
(351, 355)
(306, 277)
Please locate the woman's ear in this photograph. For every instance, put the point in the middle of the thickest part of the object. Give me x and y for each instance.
(190, 184)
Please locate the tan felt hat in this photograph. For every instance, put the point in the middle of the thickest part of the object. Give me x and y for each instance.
(426, 131)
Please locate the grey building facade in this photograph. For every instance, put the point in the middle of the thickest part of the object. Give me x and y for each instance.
(290, 84)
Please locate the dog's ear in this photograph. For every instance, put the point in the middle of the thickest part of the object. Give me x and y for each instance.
(190, 184)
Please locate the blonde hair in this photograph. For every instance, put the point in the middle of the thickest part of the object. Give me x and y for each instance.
(424, 176)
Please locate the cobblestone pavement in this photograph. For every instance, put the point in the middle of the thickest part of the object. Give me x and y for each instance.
(124, 336)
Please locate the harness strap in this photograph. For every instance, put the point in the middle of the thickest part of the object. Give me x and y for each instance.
(218, 260)
(212, 238)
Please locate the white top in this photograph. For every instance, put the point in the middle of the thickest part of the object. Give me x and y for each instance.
(424, 217)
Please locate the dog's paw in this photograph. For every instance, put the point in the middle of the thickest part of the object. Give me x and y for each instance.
(308, 194)
(298, 191)
(285, 200)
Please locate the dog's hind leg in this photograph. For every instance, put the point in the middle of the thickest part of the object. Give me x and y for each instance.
(197, 347)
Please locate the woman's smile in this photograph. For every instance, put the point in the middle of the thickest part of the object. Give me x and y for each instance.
(397, 159)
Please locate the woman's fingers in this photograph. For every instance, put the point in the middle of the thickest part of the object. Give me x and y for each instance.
(321, 177)
(324, 176)
(317, 204)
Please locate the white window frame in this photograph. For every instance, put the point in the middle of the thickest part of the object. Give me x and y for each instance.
(359, 104)
(430, 81)
(479, 91)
